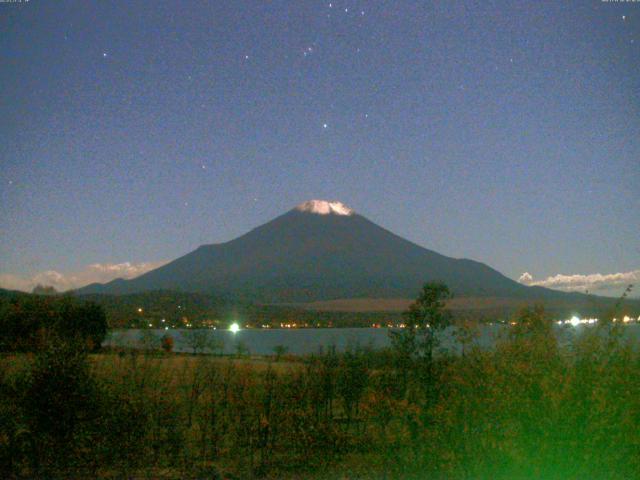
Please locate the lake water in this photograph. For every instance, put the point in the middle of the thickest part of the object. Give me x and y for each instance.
(306, 341)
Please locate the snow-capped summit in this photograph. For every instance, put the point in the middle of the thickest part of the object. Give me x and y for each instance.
(323, 250)
(324, 207)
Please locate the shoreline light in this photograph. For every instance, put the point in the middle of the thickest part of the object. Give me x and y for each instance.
(234, 328)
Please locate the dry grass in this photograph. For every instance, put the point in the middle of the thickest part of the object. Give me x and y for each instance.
(401, 304)
(187, 362)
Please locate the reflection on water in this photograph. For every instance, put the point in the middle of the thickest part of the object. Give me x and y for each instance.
(305, 341)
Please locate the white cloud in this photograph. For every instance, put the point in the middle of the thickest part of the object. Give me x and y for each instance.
(96, 272)
(581, 283)
(526, 278)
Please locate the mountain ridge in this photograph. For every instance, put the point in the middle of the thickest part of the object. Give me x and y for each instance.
(317, 251)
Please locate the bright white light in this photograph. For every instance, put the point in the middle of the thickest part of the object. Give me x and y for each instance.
(234, 328)
(575, 321)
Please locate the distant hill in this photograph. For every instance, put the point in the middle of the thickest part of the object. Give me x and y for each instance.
(9, 294)
(199, 309)
(179, 309)
(322, 251)
(182, 309)
(488, 308)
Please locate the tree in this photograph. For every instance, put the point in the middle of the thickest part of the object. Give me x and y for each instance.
(147, 340)
(61, 404)
(352, 380)
(425, 318)
(466, 333)
(86, 321)
(280, 350)
(27, 321)
(94, 324)
(241, 349)
(197, 339)
(44, 290)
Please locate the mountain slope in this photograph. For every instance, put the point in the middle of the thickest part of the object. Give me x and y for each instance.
(320, 251)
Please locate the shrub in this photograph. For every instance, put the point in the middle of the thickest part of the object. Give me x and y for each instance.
(167, 343)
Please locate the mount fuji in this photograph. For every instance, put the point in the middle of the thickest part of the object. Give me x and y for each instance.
(321, 250)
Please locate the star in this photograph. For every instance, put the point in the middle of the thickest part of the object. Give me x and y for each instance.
(246, 57)
(324, 125)
(624, 17)
(104, 54)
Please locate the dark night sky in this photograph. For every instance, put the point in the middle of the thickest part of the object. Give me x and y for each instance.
(507, 132)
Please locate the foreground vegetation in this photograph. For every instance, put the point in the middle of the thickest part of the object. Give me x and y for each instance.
(526, 409)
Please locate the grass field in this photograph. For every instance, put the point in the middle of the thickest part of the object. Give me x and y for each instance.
(527, 409)
(486, 307)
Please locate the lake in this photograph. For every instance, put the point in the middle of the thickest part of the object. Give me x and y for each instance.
(311, 340)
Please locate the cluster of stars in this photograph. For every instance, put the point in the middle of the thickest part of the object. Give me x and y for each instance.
(319, 49)
(346, 9)
(625, 20)
(309, 51)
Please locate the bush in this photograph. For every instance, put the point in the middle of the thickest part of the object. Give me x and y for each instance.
(167, 343)
(61, 422)
(27, 322)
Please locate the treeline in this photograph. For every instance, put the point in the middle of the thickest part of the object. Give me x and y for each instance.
(178, 309)
(27, 322)
(165, 308)
(205, 310)
(529, 408)
(200, 310)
